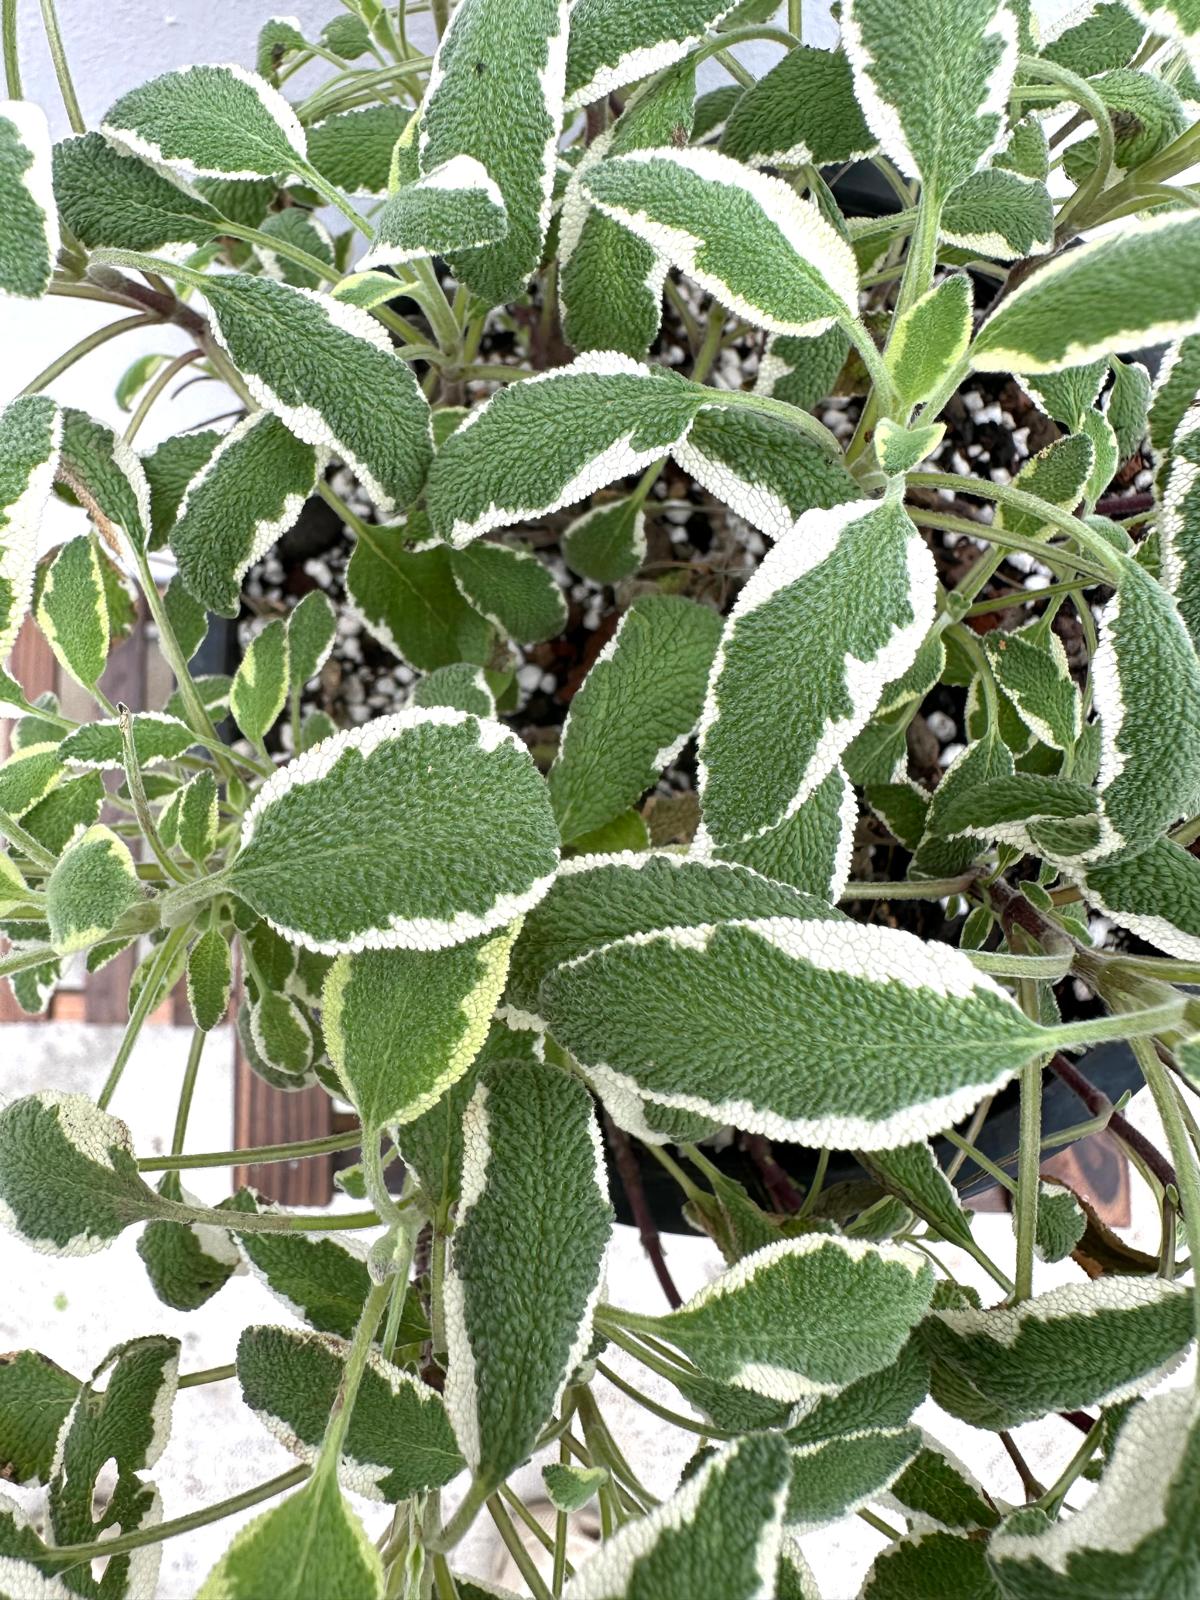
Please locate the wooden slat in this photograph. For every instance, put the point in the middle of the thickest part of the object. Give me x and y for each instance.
(263, 1115)
(35, 669)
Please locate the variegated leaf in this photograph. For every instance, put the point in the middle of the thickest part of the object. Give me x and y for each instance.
(353, 149)
(800, 114)
(98, 745)
(812, 849)
(111, 200)
(94, 883)
(72, 609)
(29, 249)
(456, 206)
(1001, 215)
(1155, 895)
(106, 476)
(406, 595)
(612, 47)
(608, 542)
(1179, 524)
(310, 1544)
(835, 1477)
(30, 439)
(512, 589)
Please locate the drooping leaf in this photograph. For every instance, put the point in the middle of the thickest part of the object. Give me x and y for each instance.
(511, 588)
(217, 122)
(805, 652)
(94, 883)
(107, 478)
(277, 38)
(31, 239)
(319, 1279)
(209, 979)
(928, 1563)
(353, 149)
(885, 1398)
(455, 206)
(659, 660)
(462, 837)
(802, 370)
(111, 200)
(1128, 405)
(399, 1441)
(30, 438)
(187, 1263)
(440, 1002)
(409, 601)
(912, 1174)
(515, 1334)
(260, 684)
(72, 610)
(802, 113)
(311, 1544)
(608, 542)
(1155, 895)
(835, 1477)
(156, 737)
(939, 1486)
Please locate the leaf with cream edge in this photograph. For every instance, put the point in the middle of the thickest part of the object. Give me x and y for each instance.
(440, 1002)
(790, 1028)
(812, 850)
(1175, 387)
(934, 83)
(552, 440)
(353, 149)
(659, 659)
(746, 238)
(111, 200)
(92, 886)
(806, 650)
(68, 1180)
(209, 979)
(28, 776)
(1001, 215)
(106, 476)
(930, 337)
(1135, 1536)
(720, 1533)
(169, 468)
(835, 1477)
(511, 588)
(30, 439)
(35, 1396)
(1155, 895)
(515, 1334)
(885, 1398)
(610, 48)
(1129, 289)
(462, 687)
(462, 836)
(608, 542)
(260, 684)
(72, 610)
(802, 1317)
(98, 745)
(311, 630)
(932, 1562)
(1179, 524)
(1030, 666)
(247, 494)
(801, 113)
(940, 1488)
(1082, 1344)
(399, 1441)
(213, 121)
(1178, 20)
(453, 207)
(310, 1544)
(802, 370)
(309, 359)
(29, 248)
(407, 598)
(464, 107)
(321, 1280)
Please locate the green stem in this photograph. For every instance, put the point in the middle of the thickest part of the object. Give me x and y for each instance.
(813, 1193)
(1029, 1159)
(469, 1507)
(274, 1221)
(1020, 597)
(148, 998)
(918, 889)
(327, 191)
(21, 960)
(984, 1163)
(1187, 1175)
(187, 1089)
(922, 251)
(1087, 538)
(8, 42)
(281, 247)
(253, 1155)
(688, 1424)
(155, 389)
(802, 421)
(1129, 1025)
(141, 806)
(61, 70)
(1051, 554)
(12, 830)
(197, 713)
(1083, 94)
(432, 299)
(862, 341)
(1056, 1493)
(193, 1380)
(516, 1549)
(356, 1364)
(82, 347)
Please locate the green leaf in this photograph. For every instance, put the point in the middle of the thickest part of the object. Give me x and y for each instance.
(453, 207)
(512, 589)
(278, 37)
(933, 84)
(454, 816)
(169, 468)
(347, 37)
(72, 610)
(1061, 1222)
(1128, 405)
(107, 478)
(802, 370)
(69, 806)
(608, 542)
(939, 1487)
(1001, 215)
(31, 240)
(514, 1333)
(187, 1263)
(790, 1028)
(949, 844)
(1104, 441)
(209, 979)
(68, 1182)
(929, 338)
(713, 109)
(217, 122)
(1175, 387)
(762, 468)
(461, 687)
(320, 1279)
(1134, 1536)
(900, 449)
(353, 149)
(609, 49)
(260, 685)
(1030, 666)
(29, 774)
(658, 659)
(297, 227)
(742, 236)
(409, 601)
(282, 1034)
(399, 1442)
(912, 1174)
(1027, 151)
(310, 1544)
(931, 1563)
(464, 107)
(1174, 19)
(886, 1398)
(1105, 36)
(439, 1001)
(30, 439)
(1120, 292)
(1155, 895)
(1058, 474)
(550, 441)
(311, 629)
(1091, 1343)
(719, 1533)
(115, 201)
(570, 1488)
(156, 737)
(802, 113)
(835, 1477)
(806, 649)
(35, 1396)
(309, 359)
(812, 849)
(91, 888)
(188, 619)
(1179, 524)
(802, 1317)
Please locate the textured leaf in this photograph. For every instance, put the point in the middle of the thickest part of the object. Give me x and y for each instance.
(68, 806)
(1000, 214)
(805, 651)
(744, 237)
(278, 37)
(310, 1544)
(802, 1317)
(188, 619)
(107, 478)
(802, 113)
(282, 1034)
(610, 48)
(453, 207)
(931, 1563)
(1155, 895)
(913, 1175)
(608, 542)
(1176, 386)
(353, 149)
(35, 1396)
(94, 883)
(553, 440)
(156, 737)
(1179, 524)
(311, 629)
(837, 1476)
(1121, 292)
(802, 370)
(399, 1441)
(209, 979)
(30, 438)
(1061, 1222)
(464, 108)
(1093, 38)
(1030, 666)
(439, 1001)
(169, 468)
(462, 837)
(115, 201)
(218, 122)
(260, 684)
(790, 1028)
(187, 1263)
(929, 338)
(938, 1486)
(30, 245)
(409, 601)
(511, 588)
(72, 610)
(658, 660)
(720, 1532)
(933, 83)
(885, 1398)
(812, 849)
(900, 449)
(1128, 405)
(1089, 1343)
(28, 775)
(319, 1279)
(300, 228)
(461, 687)
(515, 1333)
(1174, 19)
(1067, 395)
(570, 1488)
(309, 359)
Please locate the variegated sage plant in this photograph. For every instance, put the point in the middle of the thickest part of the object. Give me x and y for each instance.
(473, 936)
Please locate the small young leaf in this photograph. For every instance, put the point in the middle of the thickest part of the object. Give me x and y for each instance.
(91, 888)
(278, 37)
(1061, 1222)
(283, 1037)
(310, 1544)
(297, 227)
(456, 206)
(260, 685)
(570, 1488)
(30, 439)
(802, 113)
(931, 336)
(900, 449)
(209, 979)
(802, 370)
(156, 737)
(353, 149)
(886, 1398)
(511, 588)
(198, 817)
(31, 239)
(408, 599)
(1128, 405)
(187, 1263)
(72, 610)
(461, 687)
(1030, 666)
(608, 542)
(115, 201)
(913, 1175)
(28, 775)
